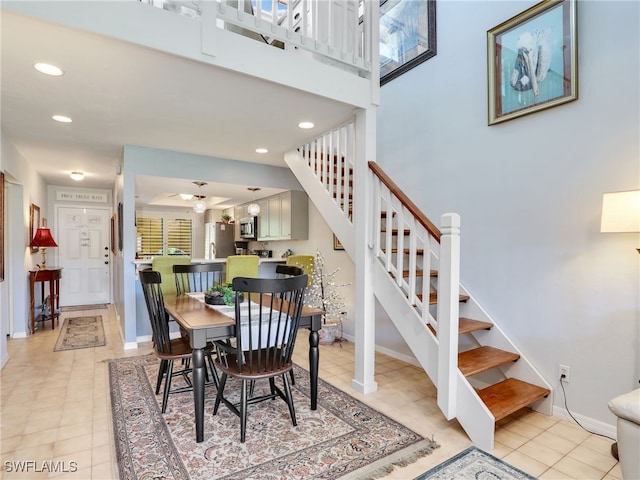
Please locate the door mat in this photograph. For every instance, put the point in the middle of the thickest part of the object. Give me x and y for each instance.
(77, 308)
(81, 332)
(472, 464)
(343, 438)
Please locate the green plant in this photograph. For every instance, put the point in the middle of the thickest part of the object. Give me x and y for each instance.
(222, 290)
(225, 217)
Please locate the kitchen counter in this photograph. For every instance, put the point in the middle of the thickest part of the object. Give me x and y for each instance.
(149, 261)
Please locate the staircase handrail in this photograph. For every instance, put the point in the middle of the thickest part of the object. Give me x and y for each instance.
(406, 201)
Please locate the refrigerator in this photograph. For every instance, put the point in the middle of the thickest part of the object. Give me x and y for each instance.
(219, 240)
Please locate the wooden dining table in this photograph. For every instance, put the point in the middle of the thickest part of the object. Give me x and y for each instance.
(204, 324)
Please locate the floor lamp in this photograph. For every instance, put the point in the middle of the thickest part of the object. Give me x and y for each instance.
(620, 214)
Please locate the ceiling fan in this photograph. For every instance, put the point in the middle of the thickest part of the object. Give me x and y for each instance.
(199, 206)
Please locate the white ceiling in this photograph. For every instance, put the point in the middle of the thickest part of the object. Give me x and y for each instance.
(118, 94)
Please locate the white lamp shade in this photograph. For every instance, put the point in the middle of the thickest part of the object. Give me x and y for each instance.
(199, 206)
(621, 212)
(253, 209)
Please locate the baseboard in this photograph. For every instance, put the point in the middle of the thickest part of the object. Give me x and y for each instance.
(390, 353)
(19, 335)
(590, 424)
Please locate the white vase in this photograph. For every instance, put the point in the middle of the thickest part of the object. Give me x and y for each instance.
(327, 333)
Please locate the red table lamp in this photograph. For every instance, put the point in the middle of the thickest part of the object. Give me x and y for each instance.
(43, 239)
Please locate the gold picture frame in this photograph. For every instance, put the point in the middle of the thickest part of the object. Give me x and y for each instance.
(34, 224)
(541, 40)
(337, 245)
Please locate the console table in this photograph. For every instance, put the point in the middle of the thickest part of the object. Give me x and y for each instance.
(51, 275)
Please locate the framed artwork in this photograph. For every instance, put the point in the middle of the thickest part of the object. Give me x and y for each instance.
(407, 35)
(120, 226)
(1, 226)
(113, 235)
(336, 243)
(532, 61)
(34, 223)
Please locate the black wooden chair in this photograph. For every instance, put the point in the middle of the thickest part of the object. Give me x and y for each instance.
(288, 271)
(284, 271)
(166, 349)
(197, 277)
(266, 330)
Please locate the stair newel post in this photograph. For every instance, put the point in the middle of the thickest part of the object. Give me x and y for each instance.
(448, 312)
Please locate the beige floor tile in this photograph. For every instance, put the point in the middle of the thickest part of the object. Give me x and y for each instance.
(600, 461)
(540, 452)
(577, 469)
(526, 463)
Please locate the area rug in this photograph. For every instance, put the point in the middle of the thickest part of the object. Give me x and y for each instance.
(81, 332)
(77, 308)
(343, 438)
(474, 464)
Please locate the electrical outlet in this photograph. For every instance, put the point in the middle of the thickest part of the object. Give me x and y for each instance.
(564, 373)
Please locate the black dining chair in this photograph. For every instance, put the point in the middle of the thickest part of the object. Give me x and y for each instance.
(197, 277)
(288, 271)
(284, 271)
(166, 349)
(266, 330)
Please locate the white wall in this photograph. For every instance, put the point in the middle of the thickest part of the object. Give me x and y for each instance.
(529, 192)
(28, 187)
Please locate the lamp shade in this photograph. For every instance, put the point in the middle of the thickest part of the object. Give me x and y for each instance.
(43, 238)
(621, 212)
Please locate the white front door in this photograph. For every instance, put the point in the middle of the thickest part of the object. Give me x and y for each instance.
(83, 247)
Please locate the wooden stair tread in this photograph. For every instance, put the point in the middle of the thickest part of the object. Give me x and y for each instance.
(509, 396)
(419, 251)
(419, 273)
(482, 359)
(395, 231)
(468, 325)
(433, 297)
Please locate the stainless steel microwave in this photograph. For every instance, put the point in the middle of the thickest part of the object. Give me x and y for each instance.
(249, 228)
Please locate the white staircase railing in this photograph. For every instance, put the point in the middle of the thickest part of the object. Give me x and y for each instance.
(337, 31)
(424, 308)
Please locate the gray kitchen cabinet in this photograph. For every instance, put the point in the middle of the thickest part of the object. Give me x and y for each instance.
(284, 217)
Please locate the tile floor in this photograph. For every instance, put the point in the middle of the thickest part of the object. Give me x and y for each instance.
(56, 411)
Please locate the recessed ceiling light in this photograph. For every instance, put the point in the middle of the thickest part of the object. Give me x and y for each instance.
(62, 119)
(186, 196)
(48, 69)
(77, 176)
(262, 150)
(306, 125)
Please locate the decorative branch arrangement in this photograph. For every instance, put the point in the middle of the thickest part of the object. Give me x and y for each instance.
(323, 292)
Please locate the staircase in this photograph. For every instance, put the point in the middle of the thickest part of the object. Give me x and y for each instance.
(480, 374)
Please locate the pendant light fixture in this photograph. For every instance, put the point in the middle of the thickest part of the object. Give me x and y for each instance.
(253, 209)
(199, 206)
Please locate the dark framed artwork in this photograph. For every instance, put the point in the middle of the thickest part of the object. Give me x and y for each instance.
(114, 247)
(34, 223)
(120, 225)
(532, 61)
(336, 243)
(1, 226)
(407, 35)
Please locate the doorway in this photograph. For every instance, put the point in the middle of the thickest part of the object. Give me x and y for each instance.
(83, 237)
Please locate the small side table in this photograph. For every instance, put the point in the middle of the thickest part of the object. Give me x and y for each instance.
(51, 275)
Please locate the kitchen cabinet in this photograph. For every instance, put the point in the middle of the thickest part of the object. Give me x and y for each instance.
(284, 217)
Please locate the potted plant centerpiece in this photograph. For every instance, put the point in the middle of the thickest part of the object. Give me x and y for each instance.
(323, 293)
(221, 294)
(226, 218)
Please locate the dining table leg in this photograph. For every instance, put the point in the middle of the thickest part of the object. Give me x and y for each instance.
(314, 360)
(198, 391)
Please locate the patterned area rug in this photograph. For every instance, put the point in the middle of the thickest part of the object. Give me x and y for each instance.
(78, 308)
(474, 464)
(81, 332)
(343, 438)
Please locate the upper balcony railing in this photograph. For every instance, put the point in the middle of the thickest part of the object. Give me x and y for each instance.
(337, 32)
